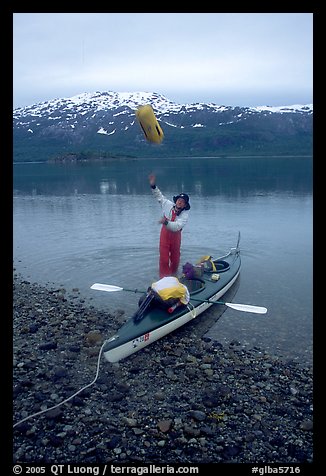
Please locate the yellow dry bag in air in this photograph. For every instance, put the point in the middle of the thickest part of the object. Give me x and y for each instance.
(148, 122)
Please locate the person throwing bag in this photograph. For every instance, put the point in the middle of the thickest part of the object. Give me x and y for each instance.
(175, 217)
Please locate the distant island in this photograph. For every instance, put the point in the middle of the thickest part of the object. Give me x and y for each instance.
(75, 157)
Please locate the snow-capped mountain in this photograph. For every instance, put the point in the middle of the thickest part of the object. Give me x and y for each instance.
(104, 123)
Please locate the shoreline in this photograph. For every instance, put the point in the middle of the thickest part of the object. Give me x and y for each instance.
(183, 399)
(186, 157)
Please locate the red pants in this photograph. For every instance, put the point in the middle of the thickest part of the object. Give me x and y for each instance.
(170, 243)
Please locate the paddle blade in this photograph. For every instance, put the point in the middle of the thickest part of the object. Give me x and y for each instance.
(247, 308)
(106, 287)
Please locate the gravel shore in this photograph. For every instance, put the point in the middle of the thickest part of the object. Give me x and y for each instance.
(184, 399)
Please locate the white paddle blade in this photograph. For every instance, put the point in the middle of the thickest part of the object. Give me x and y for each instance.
(247, 308)
(106, 287)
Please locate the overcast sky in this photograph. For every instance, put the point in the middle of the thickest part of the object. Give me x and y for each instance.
(245, 59)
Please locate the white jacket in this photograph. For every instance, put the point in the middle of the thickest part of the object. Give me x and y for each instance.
(167, 206)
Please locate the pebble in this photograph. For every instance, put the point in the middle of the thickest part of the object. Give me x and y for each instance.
(184, 399)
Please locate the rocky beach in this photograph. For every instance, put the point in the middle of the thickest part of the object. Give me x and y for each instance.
(184, 399)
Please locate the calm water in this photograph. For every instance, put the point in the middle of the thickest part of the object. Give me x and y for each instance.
(79, 224)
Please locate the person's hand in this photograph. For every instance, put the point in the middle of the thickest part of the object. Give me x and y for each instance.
(163, 221)
(152, 179)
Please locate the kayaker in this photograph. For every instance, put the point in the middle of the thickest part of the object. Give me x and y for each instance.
(175, 216)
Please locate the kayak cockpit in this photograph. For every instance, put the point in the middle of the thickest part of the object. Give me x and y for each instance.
(220, 266)
(194, 285)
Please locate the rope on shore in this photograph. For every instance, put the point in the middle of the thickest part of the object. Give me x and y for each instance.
(69, 398)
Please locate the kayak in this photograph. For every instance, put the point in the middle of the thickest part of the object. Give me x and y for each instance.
(156, 323)
(205, 291)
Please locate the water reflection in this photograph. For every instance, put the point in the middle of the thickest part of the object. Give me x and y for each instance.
(108, 186)
(202, 177)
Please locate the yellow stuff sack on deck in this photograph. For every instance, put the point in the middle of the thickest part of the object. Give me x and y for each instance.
(170, 287)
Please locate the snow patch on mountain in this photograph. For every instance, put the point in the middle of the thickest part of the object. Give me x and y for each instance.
(103, 131)
(284, 109)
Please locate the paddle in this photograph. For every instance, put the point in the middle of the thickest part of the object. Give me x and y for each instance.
(238, 307)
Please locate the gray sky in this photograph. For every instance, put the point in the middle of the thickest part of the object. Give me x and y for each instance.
(245, 59)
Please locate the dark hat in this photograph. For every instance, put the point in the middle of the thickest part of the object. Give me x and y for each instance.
(186, 199)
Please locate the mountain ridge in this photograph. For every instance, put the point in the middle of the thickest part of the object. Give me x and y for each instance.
(158, 102)
(104, 124)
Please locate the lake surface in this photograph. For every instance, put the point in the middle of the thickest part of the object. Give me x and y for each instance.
(77, 224)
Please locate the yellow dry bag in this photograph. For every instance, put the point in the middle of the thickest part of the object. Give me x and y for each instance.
(148, 122)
